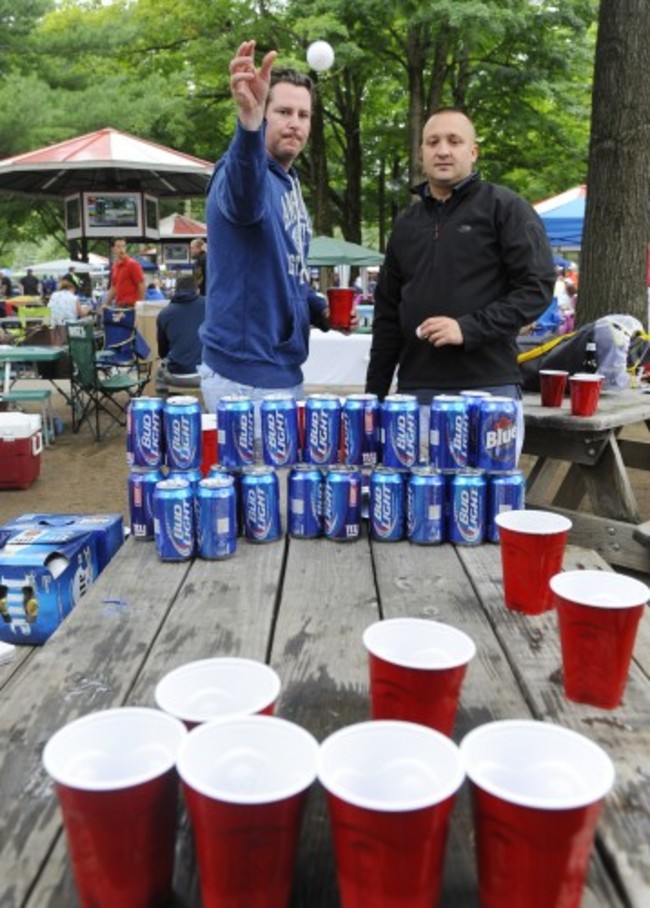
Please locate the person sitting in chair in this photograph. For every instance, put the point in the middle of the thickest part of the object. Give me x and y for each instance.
(177, 328)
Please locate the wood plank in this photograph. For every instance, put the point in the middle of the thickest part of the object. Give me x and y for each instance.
(573, 444)
(533, 648)
(635, 454)
(609, 487)
(615, 409)
(572, 489)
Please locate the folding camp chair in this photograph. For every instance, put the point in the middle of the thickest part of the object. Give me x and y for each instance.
(124, 347)
(92, 392)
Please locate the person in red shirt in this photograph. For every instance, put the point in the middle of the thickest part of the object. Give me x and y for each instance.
(127, 278)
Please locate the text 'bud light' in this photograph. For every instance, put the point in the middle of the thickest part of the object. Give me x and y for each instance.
(467, 507)
(400, 431)
(386, 510)
(235, 431)
(280, 443)
(322, 429)
(144, 421)
(183, 437)
(260, 498)
(174, 520)
(448, 432)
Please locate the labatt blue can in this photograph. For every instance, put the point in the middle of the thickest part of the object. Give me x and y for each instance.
(174, 520)
(141, 488)
(400, 431)
(260, 501)
(216, 517)
(474, 399)
(183, 439)
(360, 430)
(342, 503)
(387, 504)
(144, 433)
(448, 432)
(505, 492)
(235, 431)
(280, 443)
(467, 507)
(497, 441)
(426, 499)
(322, 429)
(305, 487)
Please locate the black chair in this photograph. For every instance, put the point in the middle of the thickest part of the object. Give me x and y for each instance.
(93, 393)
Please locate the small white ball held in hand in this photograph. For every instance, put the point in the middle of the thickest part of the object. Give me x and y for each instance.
(320, 56)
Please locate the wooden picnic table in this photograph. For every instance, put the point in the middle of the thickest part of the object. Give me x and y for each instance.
(600, 461)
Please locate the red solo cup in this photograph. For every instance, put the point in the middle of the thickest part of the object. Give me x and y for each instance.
(417, 668)
(537, 791)
(532, 549)
(245, 782)
(340, 300)
(390, 790)
(552, 383)
(210, 454)
(584, 389)
(598, 615)
(118, 790)
(215, 688)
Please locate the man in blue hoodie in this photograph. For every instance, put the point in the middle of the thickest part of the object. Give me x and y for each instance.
(259, 304)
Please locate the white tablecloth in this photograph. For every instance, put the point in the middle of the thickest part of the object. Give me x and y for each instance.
(337, 359)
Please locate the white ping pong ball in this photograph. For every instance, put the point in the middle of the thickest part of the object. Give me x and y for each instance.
(320, 56)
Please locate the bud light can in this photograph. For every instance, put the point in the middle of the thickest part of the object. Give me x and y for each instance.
(141, 488)
(217, 470)
(425, 506)
(467, 507)
(216, 517)
(387, 497)
(183, 438)
(360, 430)
(235, 431)
(322, 429)
(260, 498)
(497, 441)
(400, 431)
(448, 432)
(305, 486)
(194, 477)
(174, 520)
(144, 433)
(473, 399)
(505, 492)
(280, 442)
(342, 503)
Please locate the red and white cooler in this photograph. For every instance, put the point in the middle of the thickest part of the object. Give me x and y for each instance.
(21, 444)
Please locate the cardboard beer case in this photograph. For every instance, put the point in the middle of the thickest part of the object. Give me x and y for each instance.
(54, 529)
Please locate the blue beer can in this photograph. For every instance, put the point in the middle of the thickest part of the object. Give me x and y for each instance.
(183, 438)
(141, 488)
(305, 486)
(387, 504)
(400, 431)
(260, 501)
(473, 399)
(360, 430)
(218, 469)
(235, 431)
(448, 432)
(322, 429)
(144, 433)
(505, 492)
(174, 520)
(216, 517)
(426, 494)
(467, 507)
(497, 440)
(342, 503)
(280, 441)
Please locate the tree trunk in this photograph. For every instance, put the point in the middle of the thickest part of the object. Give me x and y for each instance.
(321, 208)
(617, 218)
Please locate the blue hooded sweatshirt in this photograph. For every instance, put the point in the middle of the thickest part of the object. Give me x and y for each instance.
(259, 304)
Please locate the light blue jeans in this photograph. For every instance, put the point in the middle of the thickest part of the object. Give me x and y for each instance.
(215, 386)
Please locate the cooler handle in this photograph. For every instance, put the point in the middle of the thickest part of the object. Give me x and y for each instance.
(37, 443)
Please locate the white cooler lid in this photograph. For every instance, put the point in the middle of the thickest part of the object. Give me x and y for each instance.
(19, 425)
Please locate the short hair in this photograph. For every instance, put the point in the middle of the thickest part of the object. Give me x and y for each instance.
(185, 282)
(292, 77)
(452, 110)
(118, 239)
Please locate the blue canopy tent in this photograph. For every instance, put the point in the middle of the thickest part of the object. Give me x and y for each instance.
(563, 217)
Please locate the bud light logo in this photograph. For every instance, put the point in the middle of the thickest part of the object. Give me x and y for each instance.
(182, 445)
(403, 439)
(179, 528)
(457, 438)
(243, 437)
(277, 438)
(321, 447)
(384, 511)
(469, 521)
(257, 514)
(148, 440)
(499, 438)
(350, 443)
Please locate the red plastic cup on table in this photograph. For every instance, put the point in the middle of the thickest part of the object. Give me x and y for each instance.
(245, 782)
(584, 390)
(532, 549)
(598, 616)
(537, 790)
(417, 669)
(215, 688)
(390, 790)
(210, 453)
(340, 301)
(115, 778)
(552, 384)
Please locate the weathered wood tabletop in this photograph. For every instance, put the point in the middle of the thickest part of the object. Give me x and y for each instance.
(302, 606)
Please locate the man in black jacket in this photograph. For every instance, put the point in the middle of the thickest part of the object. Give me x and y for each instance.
(178, 336)
(466, 268)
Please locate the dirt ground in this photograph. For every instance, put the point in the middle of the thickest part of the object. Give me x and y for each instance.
(79, 475)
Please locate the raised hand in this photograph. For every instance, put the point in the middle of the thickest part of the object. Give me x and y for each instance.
(249, 85)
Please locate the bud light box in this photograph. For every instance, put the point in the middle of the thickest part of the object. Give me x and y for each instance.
(107, 531)
(40, 585)
(21, 443)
